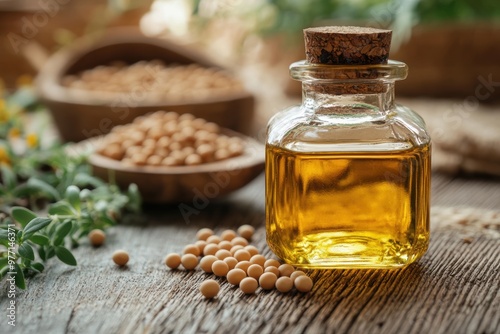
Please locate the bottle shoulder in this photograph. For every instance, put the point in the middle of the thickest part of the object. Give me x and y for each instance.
(299, 129)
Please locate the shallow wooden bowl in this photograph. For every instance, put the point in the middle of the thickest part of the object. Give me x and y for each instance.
(190, 184)
(81, 114)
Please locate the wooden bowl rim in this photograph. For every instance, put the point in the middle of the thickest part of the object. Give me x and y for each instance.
(253, 156)
(49, 88)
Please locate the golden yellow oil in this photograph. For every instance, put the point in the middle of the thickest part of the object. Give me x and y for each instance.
(348, 210)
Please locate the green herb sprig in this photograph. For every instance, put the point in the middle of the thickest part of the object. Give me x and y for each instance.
(49, 199)
(36, 239)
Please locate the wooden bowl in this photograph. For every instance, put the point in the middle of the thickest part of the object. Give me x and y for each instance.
(191, 184)
(80, 114)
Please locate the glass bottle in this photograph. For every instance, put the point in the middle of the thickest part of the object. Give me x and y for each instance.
(348, 171)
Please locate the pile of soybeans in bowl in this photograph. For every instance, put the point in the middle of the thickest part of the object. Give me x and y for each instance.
(169, 139)
(156, 80)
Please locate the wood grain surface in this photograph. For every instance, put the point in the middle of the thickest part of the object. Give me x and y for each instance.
(454, 288)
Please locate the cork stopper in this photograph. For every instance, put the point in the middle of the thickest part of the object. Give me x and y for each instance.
(345, 45)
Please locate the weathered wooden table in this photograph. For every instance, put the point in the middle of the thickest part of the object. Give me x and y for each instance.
(455, 288)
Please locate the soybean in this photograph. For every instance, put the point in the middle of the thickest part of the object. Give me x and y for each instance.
(220, 268)
(249, 285)
(173, 260)
(120, 257)
(235, 276)
(267, 281)
(209, 288)
(189, 261)
(303, 283)
(284, 284)
(97, 237)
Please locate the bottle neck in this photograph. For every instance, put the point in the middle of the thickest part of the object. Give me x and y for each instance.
(373, 98)
(348, 93)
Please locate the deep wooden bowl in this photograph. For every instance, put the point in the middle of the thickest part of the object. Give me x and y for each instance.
(80, 114)
(189, 184)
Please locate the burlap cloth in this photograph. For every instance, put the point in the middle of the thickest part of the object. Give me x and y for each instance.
(465, 135)
(466, 222)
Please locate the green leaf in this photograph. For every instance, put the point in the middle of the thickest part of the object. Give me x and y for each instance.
(22, 215)
(73, 196)
(34, 226)
(3, 272)
(74, 243)
(4, 235)
(101, 205)
(62, 231)
(106, 220)
(19, 277)
(51, 252)
(39, 239)
(44, 188)
(9, 178)
(22, 190)
(85, 194)
(64, 228)
(42, 253)
(3, 261)
(61, 208)
(58, 242)
(37, 266)
(65, 256)
(135, 199)
(51, 229)
(26, 251)
(84, 179)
